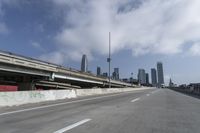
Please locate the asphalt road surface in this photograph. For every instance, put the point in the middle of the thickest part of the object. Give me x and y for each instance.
(146, 111)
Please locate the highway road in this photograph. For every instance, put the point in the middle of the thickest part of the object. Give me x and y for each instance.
(146, 111)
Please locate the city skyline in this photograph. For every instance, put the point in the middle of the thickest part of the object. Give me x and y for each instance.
(157, 75)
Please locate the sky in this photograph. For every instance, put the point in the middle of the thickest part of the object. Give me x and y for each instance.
(142, 33)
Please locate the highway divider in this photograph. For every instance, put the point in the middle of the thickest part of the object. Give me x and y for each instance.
(24, 97)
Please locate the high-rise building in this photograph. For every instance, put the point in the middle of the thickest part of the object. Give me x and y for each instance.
(141, 76)
(84, 64)
(160, 73)
(105, 75)
(171, 84)
(98, 71)
(115, 74)
(153, 77)
(147, 78)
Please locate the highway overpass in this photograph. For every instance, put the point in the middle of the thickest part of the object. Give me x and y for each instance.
(29, 73)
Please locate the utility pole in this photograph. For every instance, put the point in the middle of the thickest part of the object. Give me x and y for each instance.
(109, 58)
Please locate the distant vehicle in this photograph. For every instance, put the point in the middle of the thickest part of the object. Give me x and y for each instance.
(162, 86)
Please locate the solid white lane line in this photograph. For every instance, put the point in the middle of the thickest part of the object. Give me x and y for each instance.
(58, 104)
(72, 126)
(134, 100)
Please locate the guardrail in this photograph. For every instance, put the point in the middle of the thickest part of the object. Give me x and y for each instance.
(187, 90)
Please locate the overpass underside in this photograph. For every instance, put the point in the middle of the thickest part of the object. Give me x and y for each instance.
(35, 82)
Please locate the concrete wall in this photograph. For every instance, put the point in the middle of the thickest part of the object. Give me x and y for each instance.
(86, 92)
(24, 97)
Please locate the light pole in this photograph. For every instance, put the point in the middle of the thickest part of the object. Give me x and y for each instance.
(109, 58)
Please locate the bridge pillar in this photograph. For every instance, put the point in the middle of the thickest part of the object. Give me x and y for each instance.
(26, 84)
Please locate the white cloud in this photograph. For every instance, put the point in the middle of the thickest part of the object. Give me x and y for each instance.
(37, 45)
(195, 49)
(155, 26)
(54, 57)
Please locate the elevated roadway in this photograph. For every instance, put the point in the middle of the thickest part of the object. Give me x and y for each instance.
(27, 71)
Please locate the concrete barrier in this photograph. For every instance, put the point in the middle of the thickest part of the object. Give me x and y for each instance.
(25, 97)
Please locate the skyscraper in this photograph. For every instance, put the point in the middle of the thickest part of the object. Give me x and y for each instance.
(153, 77)
(116, 73)
(105, 75)
(160, 73)
(147, 78)
(98, 71)
(84, 64)
(141, 76)
(171, 84)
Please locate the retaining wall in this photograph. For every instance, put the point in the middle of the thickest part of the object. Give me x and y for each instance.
(24, 97)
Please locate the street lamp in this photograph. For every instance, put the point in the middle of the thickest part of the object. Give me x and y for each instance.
(109, 58)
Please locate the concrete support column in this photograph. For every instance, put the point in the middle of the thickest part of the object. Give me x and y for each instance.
(26, 84)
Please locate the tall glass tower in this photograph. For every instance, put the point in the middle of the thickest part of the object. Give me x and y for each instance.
(153, 77)
(84, 64)
(98, 71)
(142, 76)
(116, 74)
(160, 73)
(147, 78)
